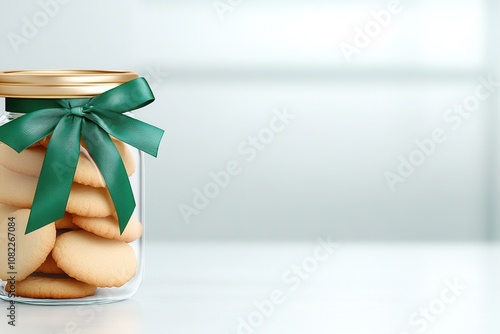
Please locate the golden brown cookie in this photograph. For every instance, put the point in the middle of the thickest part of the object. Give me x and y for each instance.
(18, 190)
(45, 141)
(66, 223)
(49, 266)
(29, 162)
(108, 227)
(51, 287)
(90, 202)
(22, 254)
(5, 210)
(95, 260)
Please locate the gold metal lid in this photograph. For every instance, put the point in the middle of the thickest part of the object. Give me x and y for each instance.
(54, 84)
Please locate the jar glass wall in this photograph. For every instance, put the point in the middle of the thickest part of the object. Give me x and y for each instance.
(83, 257)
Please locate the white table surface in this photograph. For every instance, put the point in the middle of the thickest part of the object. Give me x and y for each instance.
(361, 288)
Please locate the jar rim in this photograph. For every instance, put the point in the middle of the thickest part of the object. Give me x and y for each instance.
(52, 84)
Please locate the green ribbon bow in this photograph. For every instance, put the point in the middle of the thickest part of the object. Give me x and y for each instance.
(94, 120)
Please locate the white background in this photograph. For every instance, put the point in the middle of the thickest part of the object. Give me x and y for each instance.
(219, 81)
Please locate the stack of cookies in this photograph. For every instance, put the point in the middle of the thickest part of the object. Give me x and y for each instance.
(75, 255)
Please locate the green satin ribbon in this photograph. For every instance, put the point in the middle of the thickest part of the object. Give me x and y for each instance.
(94, 120)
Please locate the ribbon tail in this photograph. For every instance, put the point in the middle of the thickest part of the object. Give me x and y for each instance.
(110, 163)
(141, 135)
(58, 171)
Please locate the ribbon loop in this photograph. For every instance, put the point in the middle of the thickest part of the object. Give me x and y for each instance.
(68, 120)
(127, 97)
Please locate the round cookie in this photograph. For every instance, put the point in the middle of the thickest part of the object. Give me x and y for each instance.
(65, 223)
(29, 162)
(41, 286)
(108, 227)
(90, 202)
(45, 141)
(5, 210)
(49, 266)
(31, 249)
(95, 260)
(19, 190)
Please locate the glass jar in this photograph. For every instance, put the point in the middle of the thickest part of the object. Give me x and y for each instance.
(81, 258)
